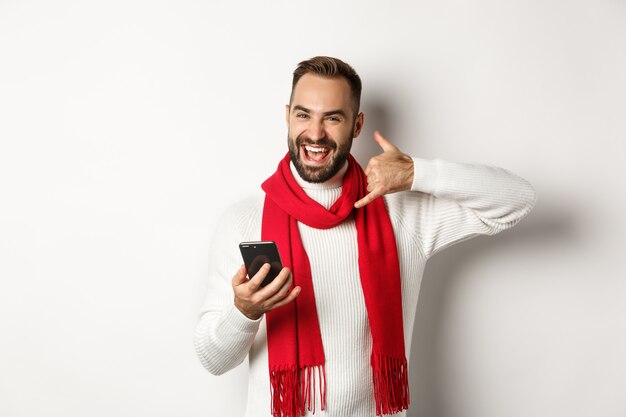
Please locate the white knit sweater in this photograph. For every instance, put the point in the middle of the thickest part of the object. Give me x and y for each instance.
(448, 202)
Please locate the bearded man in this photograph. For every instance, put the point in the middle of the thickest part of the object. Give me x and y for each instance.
(331, 333)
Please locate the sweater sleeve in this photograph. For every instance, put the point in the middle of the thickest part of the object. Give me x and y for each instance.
(450, 202)
(223, 335)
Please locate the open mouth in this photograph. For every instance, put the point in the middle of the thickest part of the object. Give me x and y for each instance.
(315, 154)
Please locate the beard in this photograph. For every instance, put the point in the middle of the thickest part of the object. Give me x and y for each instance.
(318, 174)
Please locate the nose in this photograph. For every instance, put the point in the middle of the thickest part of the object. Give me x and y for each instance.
(316, 130)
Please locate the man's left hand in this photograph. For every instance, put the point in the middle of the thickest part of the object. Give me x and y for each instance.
(387, 173)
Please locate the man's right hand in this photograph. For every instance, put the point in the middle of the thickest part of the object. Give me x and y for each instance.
(254, 301)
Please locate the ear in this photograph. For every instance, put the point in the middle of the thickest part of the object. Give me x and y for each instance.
(358, 124)
(287, 114)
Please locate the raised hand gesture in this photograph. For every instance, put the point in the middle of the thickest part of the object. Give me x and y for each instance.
(388, 172)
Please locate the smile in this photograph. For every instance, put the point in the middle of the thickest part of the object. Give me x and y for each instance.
(315, 154)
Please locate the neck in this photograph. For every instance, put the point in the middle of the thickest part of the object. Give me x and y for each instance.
(325, 193)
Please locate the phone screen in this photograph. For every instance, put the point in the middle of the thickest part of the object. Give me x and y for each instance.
(256, 254)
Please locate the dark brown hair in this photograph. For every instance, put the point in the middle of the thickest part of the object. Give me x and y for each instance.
(330, 67)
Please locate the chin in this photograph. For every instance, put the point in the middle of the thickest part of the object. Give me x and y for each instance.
(318, 174)
(313, 172)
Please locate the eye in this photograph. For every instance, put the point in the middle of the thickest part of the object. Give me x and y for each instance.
(302, 115)
(333, 119)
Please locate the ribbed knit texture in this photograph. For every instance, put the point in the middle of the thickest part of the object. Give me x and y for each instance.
(449, 202)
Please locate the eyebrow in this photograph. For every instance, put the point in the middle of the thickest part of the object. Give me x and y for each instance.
(326, 113)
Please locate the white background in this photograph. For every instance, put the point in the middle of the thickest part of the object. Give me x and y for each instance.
(127, 127)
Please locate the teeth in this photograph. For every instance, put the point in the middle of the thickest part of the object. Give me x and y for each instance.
(312, 149)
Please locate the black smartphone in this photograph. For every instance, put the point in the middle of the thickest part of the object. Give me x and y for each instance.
(256, 254)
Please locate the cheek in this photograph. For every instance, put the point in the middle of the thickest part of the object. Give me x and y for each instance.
(341, 134)
(293, 132)
(297, 134)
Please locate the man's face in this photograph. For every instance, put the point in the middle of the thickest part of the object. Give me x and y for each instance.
(321, 125)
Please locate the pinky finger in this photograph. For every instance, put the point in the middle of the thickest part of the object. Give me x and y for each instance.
(367, 199)
(292, 296)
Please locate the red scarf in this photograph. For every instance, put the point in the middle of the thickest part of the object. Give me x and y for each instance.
(296, 353)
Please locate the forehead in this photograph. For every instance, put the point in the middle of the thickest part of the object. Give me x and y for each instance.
(322, 94)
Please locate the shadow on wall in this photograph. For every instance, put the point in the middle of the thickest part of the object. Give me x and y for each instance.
(544, 227)
(377, 117)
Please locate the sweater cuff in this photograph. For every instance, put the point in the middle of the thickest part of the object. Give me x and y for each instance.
(424, 175)
(238, 321)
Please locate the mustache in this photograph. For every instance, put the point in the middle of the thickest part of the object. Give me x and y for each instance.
(303, 140)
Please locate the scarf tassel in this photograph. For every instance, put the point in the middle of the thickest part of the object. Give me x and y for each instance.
(294, 390)
(391, 386)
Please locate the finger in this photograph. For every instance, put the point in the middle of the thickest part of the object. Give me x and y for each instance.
(277, 283)
(240, 276)
(257, 279)
(368, 199)
(292, 296)
(383, 142)
(282, 292)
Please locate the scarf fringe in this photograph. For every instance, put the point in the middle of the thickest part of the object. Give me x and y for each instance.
(294, 390)
(391, 384)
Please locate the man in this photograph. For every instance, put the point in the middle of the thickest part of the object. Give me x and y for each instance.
(331, 334)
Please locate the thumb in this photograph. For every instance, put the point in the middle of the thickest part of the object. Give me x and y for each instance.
(383, 142)
(240, 276)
